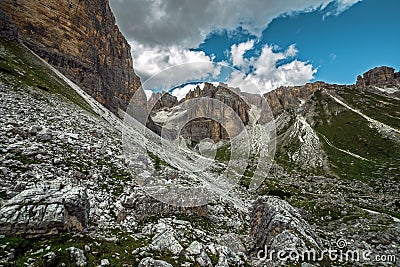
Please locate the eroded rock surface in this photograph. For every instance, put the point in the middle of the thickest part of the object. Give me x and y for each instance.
(45, 210)
(278, 226)
(380, 76)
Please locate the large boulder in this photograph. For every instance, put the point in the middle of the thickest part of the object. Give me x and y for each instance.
(143, 206)
(277, 226)
(45, 211)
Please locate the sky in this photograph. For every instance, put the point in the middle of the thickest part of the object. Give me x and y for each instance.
(266, 43)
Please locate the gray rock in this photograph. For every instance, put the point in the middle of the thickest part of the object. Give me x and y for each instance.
(166, 242)
(78, 255)
(44, 210)
(276, 225)
(50, 257)
(150, 262)
(105, 262)
(203, 259)
(46, 137)
(227, 256)
(4, 170)
(233, 242)
(194, 248)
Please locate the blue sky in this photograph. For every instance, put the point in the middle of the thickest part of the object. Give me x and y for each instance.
(269, 43)
(341, 47)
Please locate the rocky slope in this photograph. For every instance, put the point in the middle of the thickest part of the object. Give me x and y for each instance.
(62, 160)
(67, 196)
(289, 97)
(81, 39)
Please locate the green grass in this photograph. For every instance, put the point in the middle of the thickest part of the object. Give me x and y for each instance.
(223, 153)
(24, 247)
(20, 68)
(25, 159)
(383, 109)
(349, 131)
(158, 162)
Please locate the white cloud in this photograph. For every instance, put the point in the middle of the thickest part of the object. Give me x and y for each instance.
(266, 75)
(162, 31)
(340, 7)
(182, 91)
(151, 60)
(343, 5)
(171, 65)
(238, 51)
(187, 23)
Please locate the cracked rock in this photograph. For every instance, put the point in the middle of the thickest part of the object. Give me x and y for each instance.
(45, 210)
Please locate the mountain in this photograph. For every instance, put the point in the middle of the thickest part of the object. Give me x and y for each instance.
(71, 193)
(337, 154)
(379, 77)
(80, 39)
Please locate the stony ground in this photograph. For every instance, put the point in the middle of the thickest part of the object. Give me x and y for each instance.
(68, 199)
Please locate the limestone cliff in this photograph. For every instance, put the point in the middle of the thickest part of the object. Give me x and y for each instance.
(208, 127)
(287, 97)
(81, 39)
(380, 77)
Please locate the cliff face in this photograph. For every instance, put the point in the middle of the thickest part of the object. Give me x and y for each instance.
(159, 101)
(380, 77)
(208, 127)
(80, 39)
(287, 97)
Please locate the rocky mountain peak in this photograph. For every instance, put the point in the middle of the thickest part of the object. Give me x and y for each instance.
(380, 77)
(202, 127)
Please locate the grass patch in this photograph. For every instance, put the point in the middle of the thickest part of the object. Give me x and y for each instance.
(20, 68)
(223, 153)
(349, 131)
(158, 162)
(24, 159)
(118, 253)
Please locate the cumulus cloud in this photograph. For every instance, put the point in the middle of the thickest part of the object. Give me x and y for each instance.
(187, 23)
(238, 51)
(266, 72)
(342, 6)
(161, 33)
(168, 66)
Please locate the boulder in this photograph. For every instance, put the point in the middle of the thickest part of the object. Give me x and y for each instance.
(150, 262)
(45, 210)
(276, 225)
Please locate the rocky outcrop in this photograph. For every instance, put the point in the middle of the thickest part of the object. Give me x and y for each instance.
(81, 39)
(160, 101)
(380, 77)
(288, 97)
(276, 225)
(150, 262)
(78, 255)
(45, 211)
(144, 206)
(213, 119)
